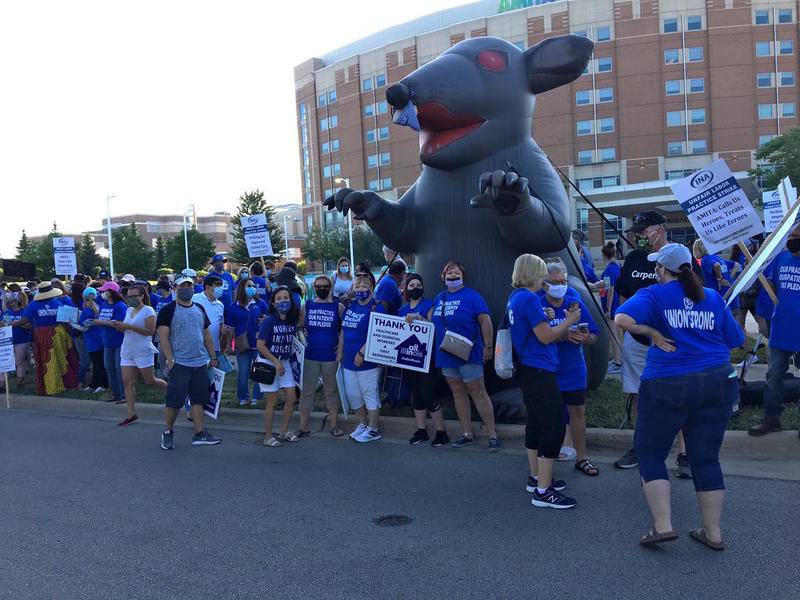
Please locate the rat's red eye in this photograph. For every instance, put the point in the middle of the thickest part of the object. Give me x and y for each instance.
(492, 60)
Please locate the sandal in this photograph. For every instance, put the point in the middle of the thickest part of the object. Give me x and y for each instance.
(700, 536)
(336, 432)
(271, 442)
(652, 538)
(586, 467)
(300, 433)
(289, 437)
(567, 453)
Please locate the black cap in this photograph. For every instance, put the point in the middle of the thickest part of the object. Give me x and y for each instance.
(103, 275)
(212, 280)
(645, 219)
(577, 233)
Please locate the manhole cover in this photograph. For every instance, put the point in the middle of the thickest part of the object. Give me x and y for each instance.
(392, 521)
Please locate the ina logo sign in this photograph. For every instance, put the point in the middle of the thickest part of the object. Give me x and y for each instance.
(702, 179)
(252, 220)
(62, 242)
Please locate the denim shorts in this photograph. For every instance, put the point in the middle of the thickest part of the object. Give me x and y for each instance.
(466, 372)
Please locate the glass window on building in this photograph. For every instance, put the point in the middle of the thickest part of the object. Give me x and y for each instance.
(694, 23)
(335, 145)
(671, 56)
(366, 85)
(331, 96)
(698, 147)
(582, 219)
(369, 110)
(695, 53)
(786, 46)
(585, 157)
(581, 33)
(594, 183)
(766, 111)
(308, 198)
(603, 34)
(761, 17)
(370, 136)
(604, 65)
(607, 125)
(673, 87)
(372, 161)
(374, 184)
(697, 85)
(787, 78)
(584, 127)
(309, 222)
(386, 183)
(608, 154)
(605, 95)
(326, 148)
(698, 116)
(674, 118)
(674, 148)
(384, 133)
(583, 97)
(670, 25)
(608, 230)
(764, 80)
(321, 100)
(763, 49)
(383, 107)
(763, 139)
(677, 174)
(380, 80)
(385, 158)
(788, 110)
(784, 15)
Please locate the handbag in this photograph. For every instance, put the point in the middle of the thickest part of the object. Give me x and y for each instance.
(263, 371)
(454, 343)
(242, 343)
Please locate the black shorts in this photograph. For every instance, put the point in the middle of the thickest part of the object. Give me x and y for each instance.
(187, 381)
(574, 398)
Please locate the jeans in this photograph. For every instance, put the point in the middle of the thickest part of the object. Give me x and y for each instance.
(84, 359)
(773, 393)
(99, 377)
(111, 361)
(243, 362)
(545, 428)
(699, 403)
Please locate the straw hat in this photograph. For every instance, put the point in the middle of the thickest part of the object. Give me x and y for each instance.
(46, 291)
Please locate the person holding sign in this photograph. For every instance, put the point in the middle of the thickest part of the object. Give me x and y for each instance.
(688, 384)
(462, 311)
(228, 281)
(112, 311)
(784, 339)
(14, 303)
(321, 319)
(423, 385)
(275, 345)
(93, 340)
(361, 378)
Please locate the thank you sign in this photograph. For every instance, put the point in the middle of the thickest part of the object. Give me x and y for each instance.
(395, 342)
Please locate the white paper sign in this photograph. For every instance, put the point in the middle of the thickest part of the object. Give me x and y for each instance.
(296, 360)
(7, 362)
(773, 210)
(66, 262)
(256, 236)
(215, 385)
(717, 207)
(394, 342)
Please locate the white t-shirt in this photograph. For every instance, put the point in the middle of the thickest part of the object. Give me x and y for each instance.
(133, 343)
(215, 311)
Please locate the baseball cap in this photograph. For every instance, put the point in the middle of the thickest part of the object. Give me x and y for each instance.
(218, 257)
(577, 233)
(645, 219)
(672, 256)
(183, 279)
(109, 285)
(212, 280)
(189, 273)
(103, 275)
(129, 278)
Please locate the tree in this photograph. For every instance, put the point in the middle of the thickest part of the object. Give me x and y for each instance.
(253, 203)
(201, 249)
(88, 258)
(367, 246)
(782, 158)
(43, 255)
(26, 250)
(131, 254)
(325, 244)
(159, 255)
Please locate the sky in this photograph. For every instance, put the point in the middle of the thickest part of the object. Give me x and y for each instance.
(160, 103)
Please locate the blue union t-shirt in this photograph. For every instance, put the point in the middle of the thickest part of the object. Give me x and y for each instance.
(355, 326)
(703, 332)
(388, 292)
(571, 374)
(112, 312)
(612, 271)
(461, 316)
(43, 313)
(785, 328)
(278, 335)
(322, 330)
(525, 311)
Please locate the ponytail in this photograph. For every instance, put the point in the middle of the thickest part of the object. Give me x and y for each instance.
(691, 283)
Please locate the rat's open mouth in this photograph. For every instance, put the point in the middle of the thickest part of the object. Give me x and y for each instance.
(440, 127)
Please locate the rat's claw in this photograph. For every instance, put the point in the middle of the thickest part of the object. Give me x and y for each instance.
(511, 179)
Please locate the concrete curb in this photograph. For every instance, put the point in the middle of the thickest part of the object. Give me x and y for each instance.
(781, 446)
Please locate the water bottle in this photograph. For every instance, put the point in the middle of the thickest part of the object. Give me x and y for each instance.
(606, 283)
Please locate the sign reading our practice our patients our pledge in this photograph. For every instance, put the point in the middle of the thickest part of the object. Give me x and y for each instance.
(393, 341)
(66, 262)
(256, 235)
(717, 207)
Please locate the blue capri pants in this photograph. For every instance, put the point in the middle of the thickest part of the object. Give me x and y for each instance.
(699, 403)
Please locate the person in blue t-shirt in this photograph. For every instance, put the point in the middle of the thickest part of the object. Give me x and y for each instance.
(228, 281)
(260, 273)
(112, 311)
(716, 273)
(244, 316)
(687, 384)
(535, 345)
(14, 302)
(276, 345)
(423, 385)
(321, 319)
(463, 311)
(557, 298)
(784, 338)
(387, 292)
(93, 340)
(609, 299)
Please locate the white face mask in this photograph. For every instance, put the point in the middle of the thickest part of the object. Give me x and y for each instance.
(557, 291)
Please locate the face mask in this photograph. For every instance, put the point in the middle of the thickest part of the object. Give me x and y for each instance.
(218, 291)
(416, 293)
(454, 283)
(134, 302)
(793, 245)
(185, 294)
(250, 291)
(643, 242)
(323, 294)
(106, 296)
(283, 307)
(89, 297)
(344, 269)
(244, 275)
(557, 291)
(363, 295)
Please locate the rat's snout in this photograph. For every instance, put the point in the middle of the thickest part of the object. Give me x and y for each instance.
(398, 95)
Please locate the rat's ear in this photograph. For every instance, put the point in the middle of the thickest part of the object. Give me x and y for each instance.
(556, 61)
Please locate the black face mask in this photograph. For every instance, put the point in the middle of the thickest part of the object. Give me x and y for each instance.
(793, 245)
(322, 293)
(416, 293)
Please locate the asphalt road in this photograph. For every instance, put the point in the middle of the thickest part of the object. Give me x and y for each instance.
(91, 511)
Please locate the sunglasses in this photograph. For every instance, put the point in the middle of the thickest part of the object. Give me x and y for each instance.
(362, 274)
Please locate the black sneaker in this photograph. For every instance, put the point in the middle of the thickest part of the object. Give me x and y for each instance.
(629, 460)
(684, 470)
(440, 439)
(557, 484)
(463, 441)
(552, 499)
(767, 425)
(204, 438)
(167, 442)
(420, 435)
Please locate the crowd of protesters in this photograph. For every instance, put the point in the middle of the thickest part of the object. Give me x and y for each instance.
(671, 335)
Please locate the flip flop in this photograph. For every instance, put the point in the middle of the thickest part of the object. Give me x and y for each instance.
(289, 438)
(300, 433)
(699, 535)
(653, 538)
(271, 442)
(127, 421)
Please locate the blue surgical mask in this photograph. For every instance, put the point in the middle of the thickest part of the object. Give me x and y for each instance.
(283, 307)
(557, 291)
(267, 273)
(363, 295)
(344, 269)
(454, 283)
(218, 292)
(244, 275)
(250, 291)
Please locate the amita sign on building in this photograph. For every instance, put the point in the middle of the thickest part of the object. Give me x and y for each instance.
(509, 5)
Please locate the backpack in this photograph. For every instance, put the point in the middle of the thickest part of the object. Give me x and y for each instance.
(505, 358)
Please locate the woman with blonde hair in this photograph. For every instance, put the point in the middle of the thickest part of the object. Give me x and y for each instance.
(342, 279)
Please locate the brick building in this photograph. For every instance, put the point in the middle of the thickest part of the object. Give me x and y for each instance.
(672, 86)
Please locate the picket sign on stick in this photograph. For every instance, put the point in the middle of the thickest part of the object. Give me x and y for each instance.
(8, 399)
(761, 278)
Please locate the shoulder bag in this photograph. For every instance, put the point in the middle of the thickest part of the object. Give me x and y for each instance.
(454, 343)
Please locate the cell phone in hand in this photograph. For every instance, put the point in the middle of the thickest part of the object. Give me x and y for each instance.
(583, 328)
(574, 306)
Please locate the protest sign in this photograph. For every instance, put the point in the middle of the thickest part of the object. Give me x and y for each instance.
(215, 385)
(64, 256)
(7, 362)
(67, 314)
(342, 391)
(256, 236)
(773, 210)
(717, 207)
(296, 361)
(393, 341)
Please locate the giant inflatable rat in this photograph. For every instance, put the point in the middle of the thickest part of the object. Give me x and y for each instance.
(487, 193)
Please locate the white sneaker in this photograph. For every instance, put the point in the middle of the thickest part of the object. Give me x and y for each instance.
(567, 453)
(358, 431)
(99, 390)
(243, 402)
(253, 402)
(369, 435)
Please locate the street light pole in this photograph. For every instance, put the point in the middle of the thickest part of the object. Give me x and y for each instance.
(186, 234)
(108, 231)
(346, 182)
(286, 234)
